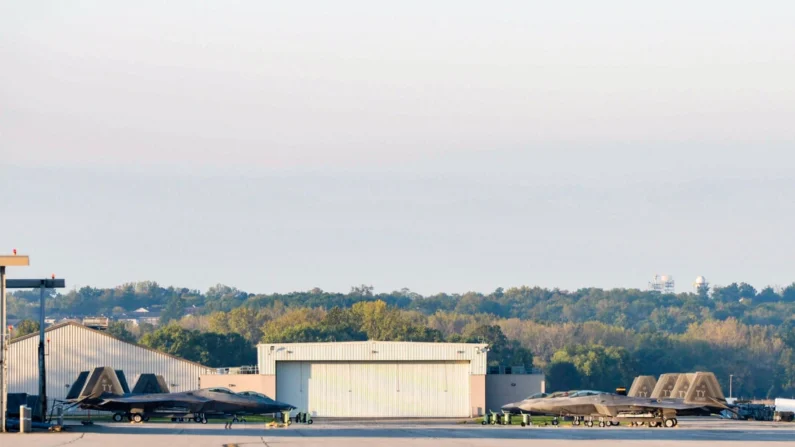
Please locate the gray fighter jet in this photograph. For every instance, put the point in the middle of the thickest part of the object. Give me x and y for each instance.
(101, 391)
(701, 394)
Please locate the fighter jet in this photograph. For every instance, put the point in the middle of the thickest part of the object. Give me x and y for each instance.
(102, 391)
(701, 395)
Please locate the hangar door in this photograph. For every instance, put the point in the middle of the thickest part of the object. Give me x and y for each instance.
(375, 389)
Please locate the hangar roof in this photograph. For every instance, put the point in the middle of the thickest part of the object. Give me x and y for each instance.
(55, 327)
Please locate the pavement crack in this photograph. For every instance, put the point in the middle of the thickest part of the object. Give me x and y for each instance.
(262, 438)
(72, 441)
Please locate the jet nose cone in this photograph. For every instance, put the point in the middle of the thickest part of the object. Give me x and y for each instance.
(285, 407)
(511, 408)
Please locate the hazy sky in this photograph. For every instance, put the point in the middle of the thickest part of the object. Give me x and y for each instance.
(439, 146)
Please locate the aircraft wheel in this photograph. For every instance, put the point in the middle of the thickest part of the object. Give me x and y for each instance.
(181, 419)
(137, 418)
(602, 424)
(676, 422)
(523, 424)
(575, 422)
(310, 422)
(197, 419)
(204, 420)
(615, 423)
(555, 422)
(669, 423)
(589, 423)
(483, 422)
(117, 417)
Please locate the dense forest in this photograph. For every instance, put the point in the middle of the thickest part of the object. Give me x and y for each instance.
(589, 338)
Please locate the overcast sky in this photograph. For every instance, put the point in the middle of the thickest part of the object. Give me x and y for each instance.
(440, 146)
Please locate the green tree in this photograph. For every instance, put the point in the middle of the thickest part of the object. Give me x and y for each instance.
(207, 348)
(246, 322)
(562, 376)
(601, 368)
(501, 350)
(119, 330)
(788, 294)
(767, 295)
(173, 339)
(173, 311)
(26, 327)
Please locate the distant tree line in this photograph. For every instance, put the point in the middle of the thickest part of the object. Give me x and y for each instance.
(589, 338)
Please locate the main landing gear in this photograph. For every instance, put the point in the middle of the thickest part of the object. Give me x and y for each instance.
(636, 422)
(200, 418)
(131, 417)
(665, 422)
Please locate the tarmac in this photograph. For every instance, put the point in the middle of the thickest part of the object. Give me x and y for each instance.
(690, 432)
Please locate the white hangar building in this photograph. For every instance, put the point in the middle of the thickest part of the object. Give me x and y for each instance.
(73, 347)
(371, 378)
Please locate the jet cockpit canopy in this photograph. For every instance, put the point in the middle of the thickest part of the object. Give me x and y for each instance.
(584, 393)
(221, 390)
(254, 394)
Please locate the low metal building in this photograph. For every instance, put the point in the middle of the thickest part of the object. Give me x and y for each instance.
(504, 389)
(377, 378)
(72, 347)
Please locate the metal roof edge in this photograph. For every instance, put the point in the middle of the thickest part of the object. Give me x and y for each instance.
(373, 341)
(55, 327)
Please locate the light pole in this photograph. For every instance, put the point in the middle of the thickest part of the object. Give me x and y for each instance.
(731, 376)
(5, 336)
(40, 284)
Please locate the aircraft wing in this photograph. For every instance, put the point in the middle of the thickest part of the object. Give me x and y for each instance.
(678, 405)
(194, 403)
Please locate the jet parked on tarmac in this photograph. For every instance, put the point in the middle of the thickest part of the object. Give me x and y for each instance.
(701, 394)
(102, 391)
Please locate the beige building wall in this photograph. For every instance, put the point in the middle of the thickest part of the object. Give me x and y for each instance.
(241, 382)
(72, 348)
(477, 394)
(503, 389)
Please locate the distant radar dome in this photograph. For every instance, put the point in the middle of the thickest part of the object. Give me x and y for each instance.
(701, 280)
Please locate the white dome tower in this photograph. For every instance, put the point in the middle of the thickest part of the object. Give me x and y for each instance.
(700, 285)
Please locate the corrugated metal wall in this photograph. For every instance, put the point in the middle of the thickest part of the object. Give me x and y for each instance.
(372, 351)
(74, 348)
(376, 389)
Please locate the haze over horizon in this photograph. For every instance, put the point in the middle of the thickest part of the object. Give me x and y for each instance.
(443, 147)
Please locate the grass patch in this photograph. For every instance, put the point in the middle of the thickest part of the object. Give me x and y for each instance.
(535, 420)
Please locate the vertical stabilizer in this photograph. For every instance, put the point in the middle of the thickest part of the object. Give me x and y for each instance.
(704, 390)
(77, 386)
(102, 380)
(642, 386)
(665, 386)
(123, 381)
(683, 385)
(161, 381)
(150, 384)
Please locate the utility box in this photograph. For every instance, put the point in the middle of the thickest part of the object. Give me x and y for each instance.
(25, 422)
